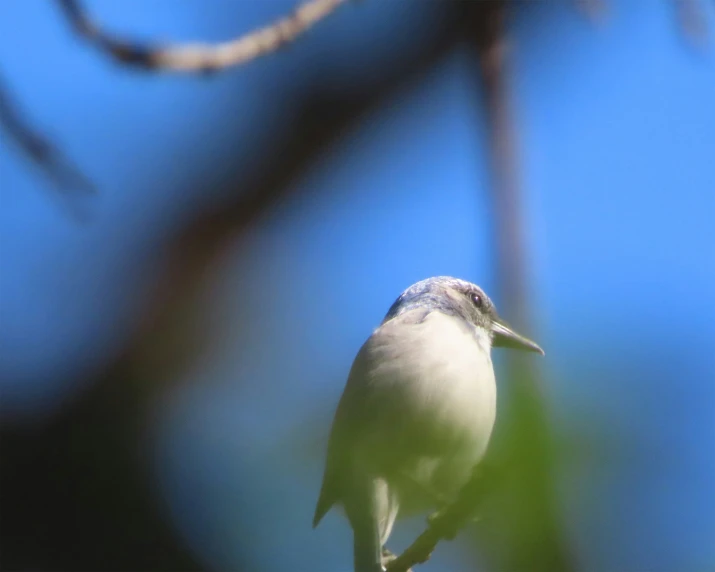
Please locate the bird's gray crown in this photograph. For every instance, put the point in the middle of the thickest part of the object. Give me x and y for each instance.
(461, 299)
(448, 295)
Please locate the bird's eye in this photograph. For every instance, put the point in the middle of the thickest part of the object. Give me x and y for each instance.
(477, 300)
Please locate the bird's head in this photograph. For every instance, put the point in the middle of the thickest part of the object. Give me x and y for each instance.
(463, 300)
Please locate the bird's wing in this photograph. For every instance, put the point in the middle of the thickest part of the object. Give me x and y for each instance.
(342, 437)
(354, 416)
(329, 490)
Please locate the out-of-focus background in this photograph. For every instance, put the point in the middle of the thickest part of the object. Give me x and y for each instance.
(171, 355)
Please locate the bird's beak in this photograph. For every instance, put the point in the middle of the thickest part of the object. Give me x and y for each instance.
(505, 337)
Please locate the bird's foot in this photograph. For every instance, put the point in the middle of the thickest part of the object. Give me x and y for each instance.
(388, 557)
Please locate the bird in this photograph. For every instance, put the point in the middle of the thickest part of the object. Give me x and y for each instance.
(417, 411)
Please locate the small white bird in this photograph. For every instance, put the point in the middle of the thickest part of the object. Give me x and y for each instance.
(417, 411)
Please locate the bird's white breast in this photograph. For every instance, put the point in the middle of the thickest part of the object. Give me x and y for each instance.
(435, 384)
(448, 367)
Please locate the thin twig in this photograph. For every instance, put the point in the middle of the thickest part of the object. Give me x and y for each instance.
(201, 57)
(65, 175)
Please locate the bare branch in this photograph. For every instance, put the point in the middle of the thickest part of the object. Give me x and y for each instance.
(418, 552)
(200, 57)
(38, 149)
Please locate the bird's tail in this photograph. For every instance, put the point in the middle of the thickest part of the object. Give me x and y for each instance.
(325, 502)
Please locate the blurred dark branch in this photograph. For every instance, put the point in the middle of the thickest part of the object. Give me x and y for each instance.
(197, 57)
(594, 9)
(531, 526)
(38, 149)
(534, 537)
(689, 13)
(314, 124)
(692, 20)
(492, 47)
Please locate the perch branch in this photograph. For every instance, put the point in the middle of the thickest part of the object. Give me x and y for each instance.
(200, 57)
(445, 524)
